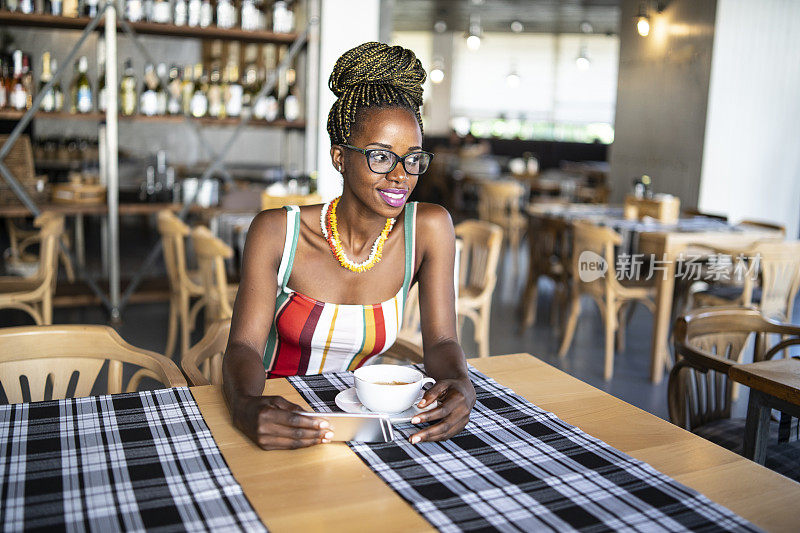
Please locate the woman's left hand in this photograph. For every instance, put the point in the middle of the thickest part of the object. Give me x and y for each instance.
(456, 398)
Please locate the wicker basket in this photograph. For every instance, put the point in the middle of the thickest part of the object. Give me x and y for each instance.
(20, 162)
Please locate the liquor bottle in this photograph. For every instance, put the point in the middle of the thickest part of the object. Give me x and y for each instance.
(48, 104)
(206, 14)
(250, 89)
(147, 10)
(174, 87)
(148, 101)
(226, 14)
(282, 17)
(214, 95)
(260, 103)
(194, 8)
(252, 18)
(27, 80)
(69, 8)
(235, 92)
(58, 93)
(187, 90)
(17, 97)
(101, 76)
(291, 103)
(90, 8)
(162, 11)
(199, 102)
(134, 10)
(53, 7)
(161, 92)
(81, 90)
(127, 90)
(3, 82)
(181, 13)
(26, 6)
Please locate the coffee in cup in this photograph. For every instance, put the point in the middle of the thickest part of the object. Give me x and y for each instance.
(389, 388)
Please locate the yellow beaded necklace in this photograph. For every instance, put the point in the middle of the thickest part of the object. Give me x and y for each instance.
(330, 229)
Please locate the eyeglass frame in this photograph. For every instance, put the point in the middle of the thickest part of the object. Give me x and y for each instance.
(397, 158)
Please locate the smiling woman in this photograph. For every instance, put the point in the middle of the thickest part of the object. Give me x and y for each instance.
(323, 287)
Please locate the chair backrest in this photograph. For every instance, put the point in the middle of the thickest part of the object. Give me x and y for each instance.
(480, 254)
(549, 245)
(51, 226)
(203, 362)
(600, 241)
(779, 264)
(500, 202)
(211, 253)
(708, 341)
(173, 232)
(65, 360)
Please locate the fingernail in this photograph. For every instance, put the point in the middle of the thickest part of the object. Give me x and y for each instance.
(324, 424)
(415, 420)
(326, 441)
(421, 404)
(415, 439)
(328, 435)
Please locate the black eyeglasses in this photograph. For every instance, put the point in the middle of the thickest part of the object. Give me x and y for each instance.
(382, 161)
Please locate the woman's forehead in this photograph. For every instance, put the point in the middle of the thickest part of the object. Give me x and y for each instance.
(394, 125)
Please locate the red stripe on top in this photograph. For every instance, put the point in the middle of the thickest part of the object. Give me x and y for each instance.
(290, 326)
(380, 329)
(307, 335)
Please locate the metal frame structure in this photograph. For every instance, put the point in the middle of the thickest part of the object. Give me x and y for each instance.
(109, 134)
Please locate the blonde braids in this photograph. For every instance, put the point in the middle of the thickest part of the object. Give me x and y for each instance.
(373, 75)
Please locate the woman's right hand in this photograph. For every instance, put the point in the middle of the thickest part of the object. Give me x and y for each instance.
(274, 423)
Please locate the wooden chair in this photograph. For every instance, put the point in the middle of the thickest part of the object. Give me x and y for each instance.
(20, 262)
(707, 343)
(778, 270)
(34, 294)
(480, 254)
(549, 257)
(184, 285)
(500, 202)
(49, 357)
(765, 225)
(611, 295)
(202, 363)
(211, 253)
(694, 212)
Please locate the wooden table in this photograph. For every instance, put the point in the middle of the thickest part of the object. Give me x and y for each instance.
(328, 488)
(774, 384)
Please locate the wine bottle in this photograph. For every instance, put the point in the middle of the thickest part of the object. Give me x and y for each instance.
(199, 106)
(226, 14)
(148, 101)
(248, 94)
(3, 82)
(162, 12)
(48, 104)
(134, 10)
(187, 90)
(58, 93)
(214, 94)
(127, 90)
(206, 14)
(181, 14)
(234, 93)
(291, 103)
(17, 97)
(194, 8)
(161, 92)
(174, 92)
(81, 94)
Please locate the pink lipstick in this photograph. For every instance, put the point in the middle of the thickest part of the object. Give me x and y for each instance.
(393, 197)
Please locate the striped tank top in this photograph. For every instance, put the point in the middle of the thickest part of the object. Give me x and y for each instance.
(310, 337)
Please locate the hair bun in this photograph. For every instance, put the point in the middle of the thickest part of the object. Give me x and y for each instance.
(376, 63)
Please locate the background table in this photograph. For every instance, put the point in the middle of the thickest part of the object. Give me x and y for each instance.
(326, 487)
(773, 384)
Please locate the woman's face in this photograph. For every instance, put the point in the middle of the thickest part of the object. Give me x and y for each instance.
(394, 129)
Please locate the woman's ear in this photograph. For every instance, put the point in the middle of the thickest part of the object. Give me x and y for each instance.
(337, 158)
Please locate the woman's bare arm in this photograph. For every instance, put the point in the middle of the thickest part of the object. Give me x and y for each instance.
(444, 359)
(271, 421)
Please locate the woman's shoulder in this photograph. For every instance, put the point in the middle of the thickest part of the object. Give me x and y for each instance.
(268, 229)
(433, 217)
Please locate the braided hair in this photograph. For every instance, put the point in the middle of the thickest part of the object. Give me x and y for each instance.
(373, 75)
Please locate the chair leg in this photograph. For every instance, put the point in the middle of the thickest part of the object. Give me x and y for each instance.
(610, 323)
(172, 327)
(572, 320)
(186, 327)
(47, 309)
(621, 322)
(483, 328)
(529, 301)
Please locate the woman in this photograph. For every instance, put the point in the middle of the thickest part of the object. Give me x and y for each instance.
(329, 264)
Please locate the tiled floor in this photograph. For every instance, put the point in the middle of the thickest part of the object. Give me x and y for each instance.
(145, 325)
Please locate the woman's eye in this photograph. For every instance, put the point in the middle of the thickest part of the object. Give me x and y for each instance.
(414, 159)
(380, 157)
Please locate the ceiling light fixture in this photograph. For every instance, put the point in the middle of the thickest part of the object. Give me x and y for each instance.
(440, 26)
(643, 20)
(437, 71)
(516, 26)
(582, 61)
(474, 33)
(513, 79)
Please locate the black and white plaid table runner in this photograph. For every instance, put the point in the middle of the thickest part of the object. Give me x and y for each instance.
(127, 462)
(516, 467)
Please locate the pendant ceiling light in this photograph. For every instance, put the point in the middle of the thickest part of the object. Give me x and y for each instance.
(474, 33)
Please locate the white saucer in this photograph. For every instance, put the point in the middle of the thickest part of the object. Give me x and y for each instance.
(349, 403)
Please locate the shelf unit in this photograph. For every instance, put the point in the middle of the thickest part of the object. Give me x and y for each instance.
(109, 120)
(11, 114)
(53, 22)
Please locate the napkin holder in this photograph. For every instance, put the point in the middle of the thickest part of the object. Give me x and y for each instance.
(663, 207)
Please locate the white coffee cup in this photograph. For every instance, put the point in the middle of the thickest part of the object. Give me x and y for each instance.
(389, 388)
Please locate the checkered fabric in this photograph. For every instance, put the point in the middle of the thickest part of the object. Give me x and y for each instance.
(128, 462)
(516, 467)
